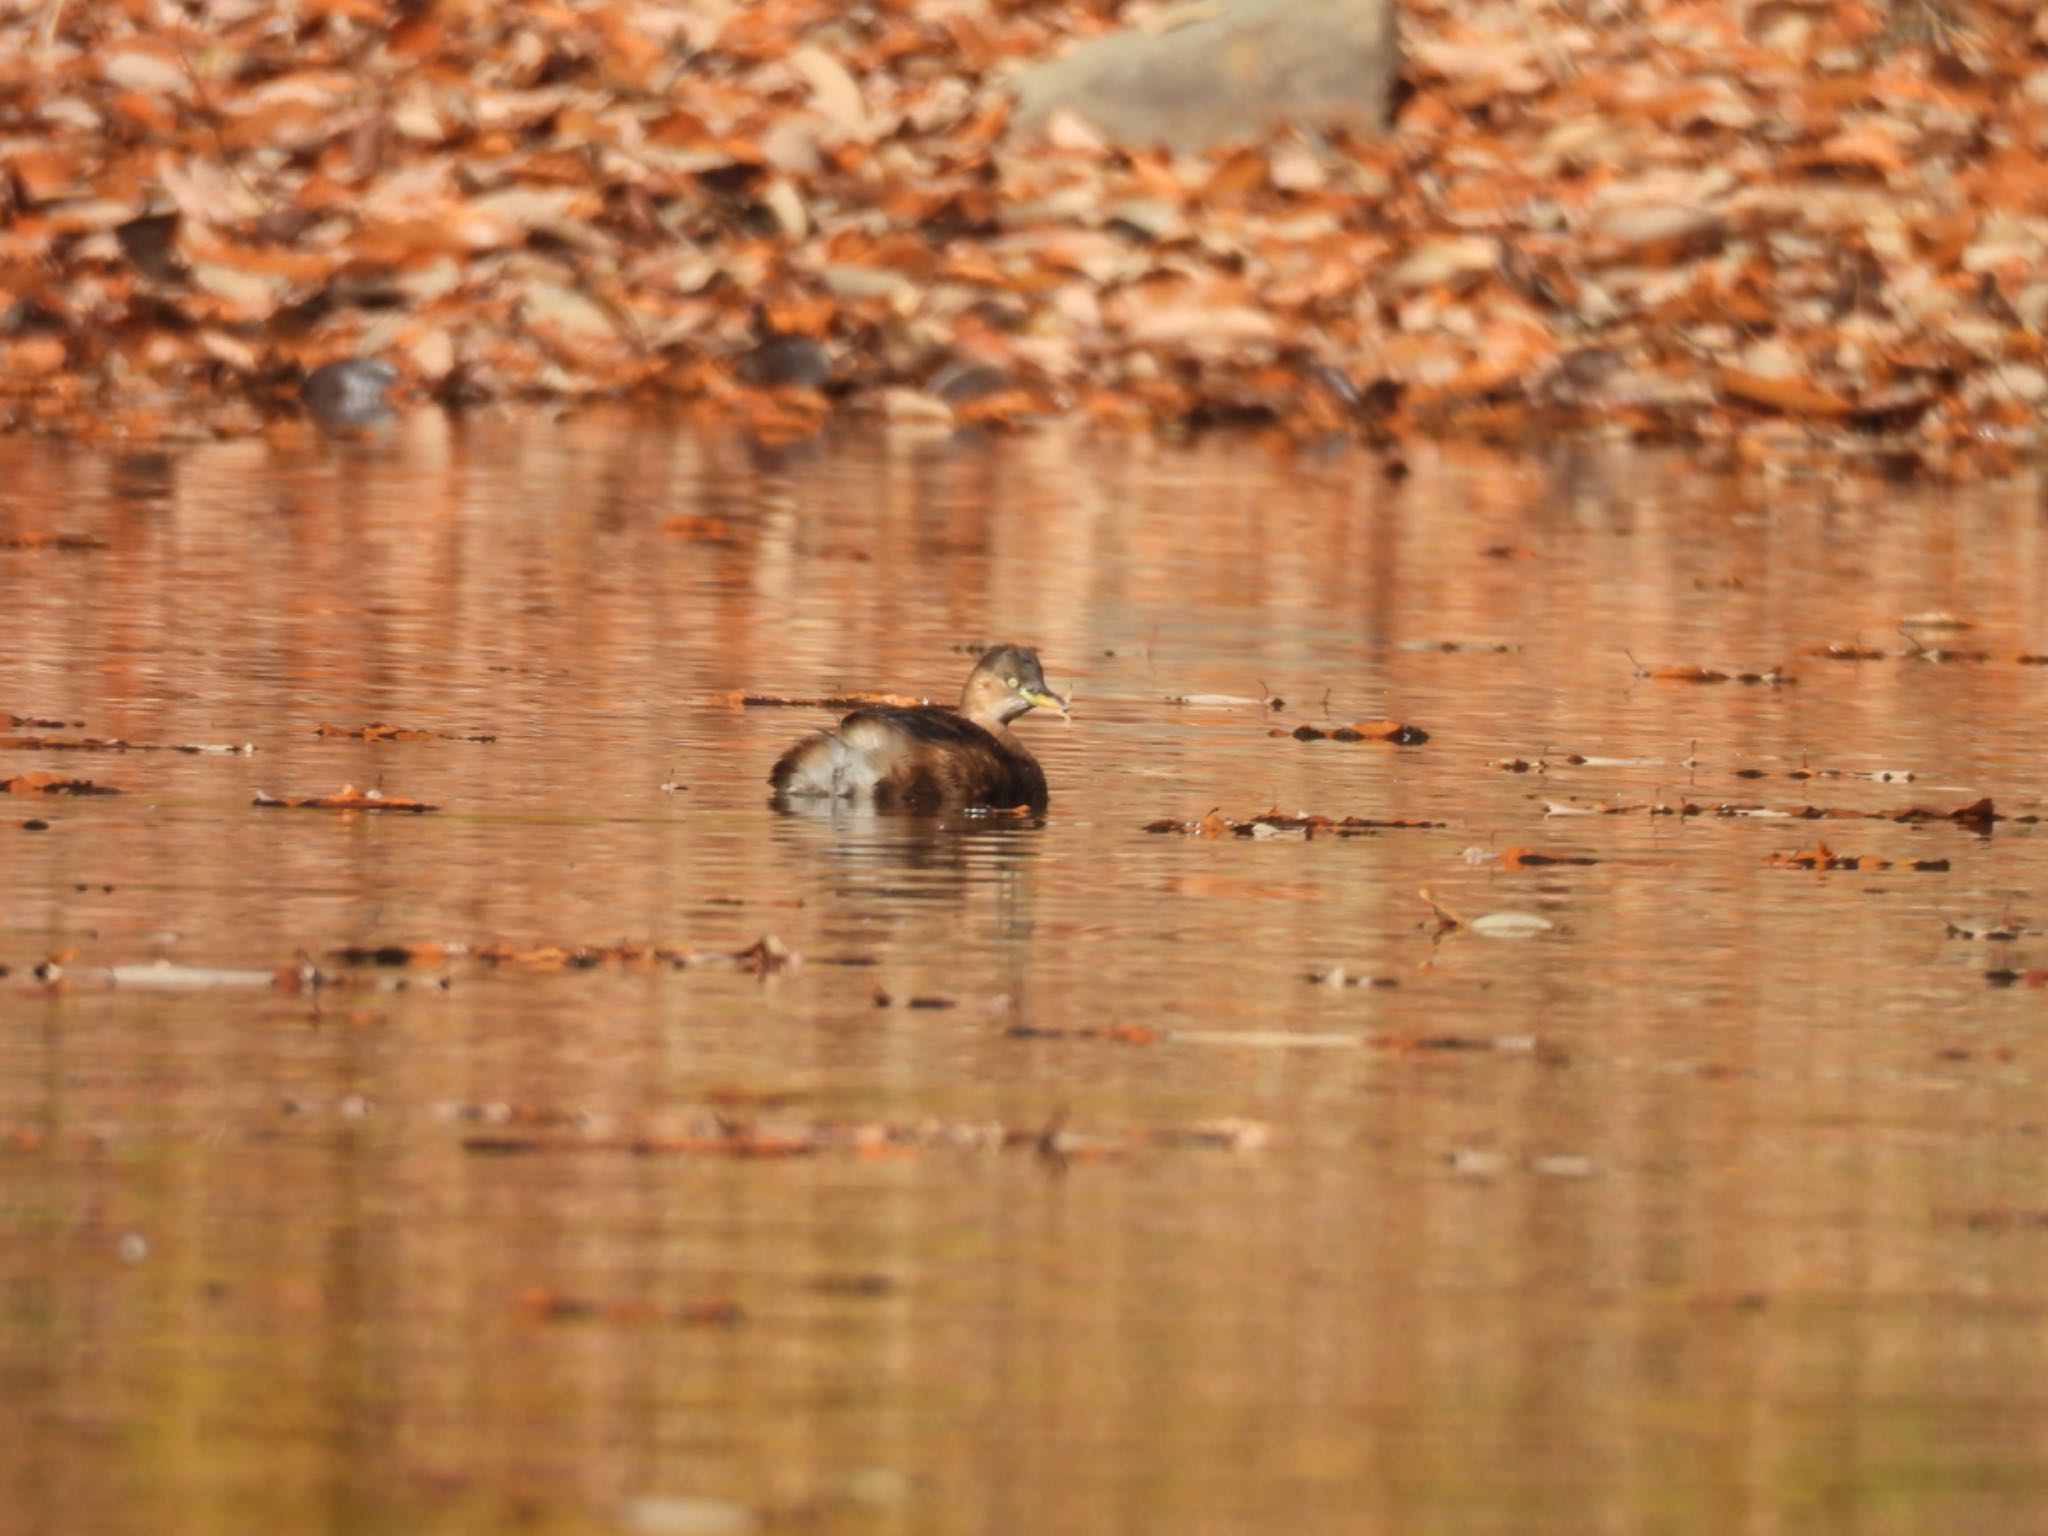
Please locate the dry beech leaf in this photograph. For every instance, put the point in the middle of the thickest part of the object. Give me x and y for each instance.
(377, 731)
(1789, 396)
(347, 798)
(1565, 231)
(1273, 823)
(745, 699)
(1822, 857)
(1362, 730)
(1510, 925)
(698, 529)
(1536, 858)
(52, 784)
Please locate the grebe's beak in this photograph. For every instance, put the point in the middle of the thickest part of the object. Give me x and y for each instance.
(1039, 698)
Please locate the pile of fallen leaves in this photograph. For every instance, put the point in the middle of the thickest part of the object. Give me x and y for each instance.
(1777, 227)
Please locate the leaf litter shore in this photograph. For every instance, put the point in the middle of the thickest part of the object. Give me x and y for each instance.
(1791, 231)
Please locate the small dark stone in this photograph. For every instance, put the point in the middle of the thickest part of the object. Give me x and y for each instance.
(283, 225)
(787, 361)
(150, 242)
(347, 395)
(959, 382)
(1587, 368)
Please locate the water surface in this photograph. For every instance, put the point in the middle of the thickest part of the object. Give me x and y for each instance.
(1717, 1206)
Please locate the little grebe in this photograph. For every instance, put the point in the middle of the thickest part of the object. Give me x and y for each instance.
(927, 756)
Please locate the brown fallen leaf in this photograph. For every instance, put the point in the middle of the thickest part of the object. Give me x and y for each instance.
(373, 732)
(742, 699)
(1363, 730)
(115, 744)
(347, 798)
(1273, 823)
(1681, 674)
(1448, 919)
(65, 543)
(1121, 1034)
(1820, 856)
(1785, 396)
(53, 784)
(1535, 858)
(1770, 678)
(378, 731)
(768, 954)
(1979, 813)
(698, 530)
(541, 1304)
(427, 954)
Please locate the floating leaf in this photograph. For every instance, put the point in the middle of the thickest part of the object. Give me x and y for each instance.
(66, 543)
(115, 744)
(1215, 824)
(741, 698)
(698, 530)
(1820, 856)
(347, 798)
(1364, 730)
(1510, 925)
(377, 731)
(52, 784)
(1536, 858)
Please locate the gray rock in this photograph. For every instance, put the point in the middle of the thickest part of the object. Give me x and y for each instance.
(960, 382)
(791, 360)
(347, 395)
(1221, 70)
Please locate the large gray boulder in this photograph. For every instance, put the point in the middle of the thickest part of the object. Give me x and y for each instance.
(1223, 69)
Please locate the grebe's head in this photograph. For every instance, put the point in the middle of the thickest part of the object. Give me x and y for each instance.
(1004, 684)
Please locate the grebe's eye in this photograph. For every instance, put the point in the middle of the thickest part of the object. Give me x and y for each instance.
(1009, 682)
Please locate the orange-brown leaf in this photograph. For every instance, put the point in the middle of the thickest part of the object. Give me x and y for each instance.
(1785, 396)
(47, 783)
(1536, 858)
(347, 798)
